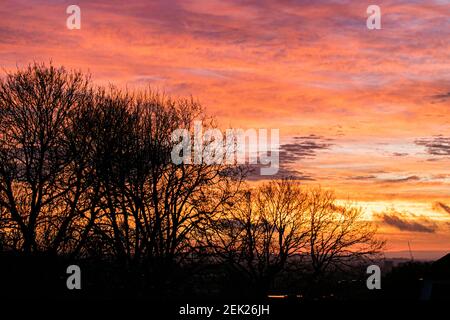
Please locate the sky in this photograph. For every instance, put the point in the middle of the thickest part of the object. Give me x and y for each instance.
(364, 112)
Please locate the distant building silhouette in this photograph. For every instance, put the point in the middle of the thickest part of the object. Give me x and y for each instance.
(436, 285)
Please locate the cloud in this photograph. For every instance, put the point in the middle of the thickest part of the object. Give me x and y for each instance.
(283, 172)
(290, 153)
(400, 180)
(362, 177)
(278, 69)
(302, 147)
(436, 145)
(439, 206)
(441, 97)
(399, 154)
(407, 222)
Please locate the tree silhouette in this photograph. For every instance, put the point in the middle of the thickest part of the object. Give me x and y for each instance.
(35, 164)
(339, 235)
(258, 234)
(279, 220)
(86, 173)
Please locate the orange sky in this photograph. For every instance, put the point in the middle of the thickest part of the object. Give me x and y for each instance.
(363, 112)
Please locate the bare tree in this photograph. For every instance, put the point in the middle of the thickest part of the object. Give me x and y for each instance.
(35, 105)
(147, 207)
(339, 234)
(261, 231)
(84, 168)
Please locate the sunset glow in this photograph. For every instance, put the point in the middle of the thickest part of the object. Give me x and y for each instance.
(362, 112)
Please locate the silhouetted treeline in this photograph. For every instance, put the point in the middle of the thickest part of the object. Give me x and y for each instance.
(86, 176)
